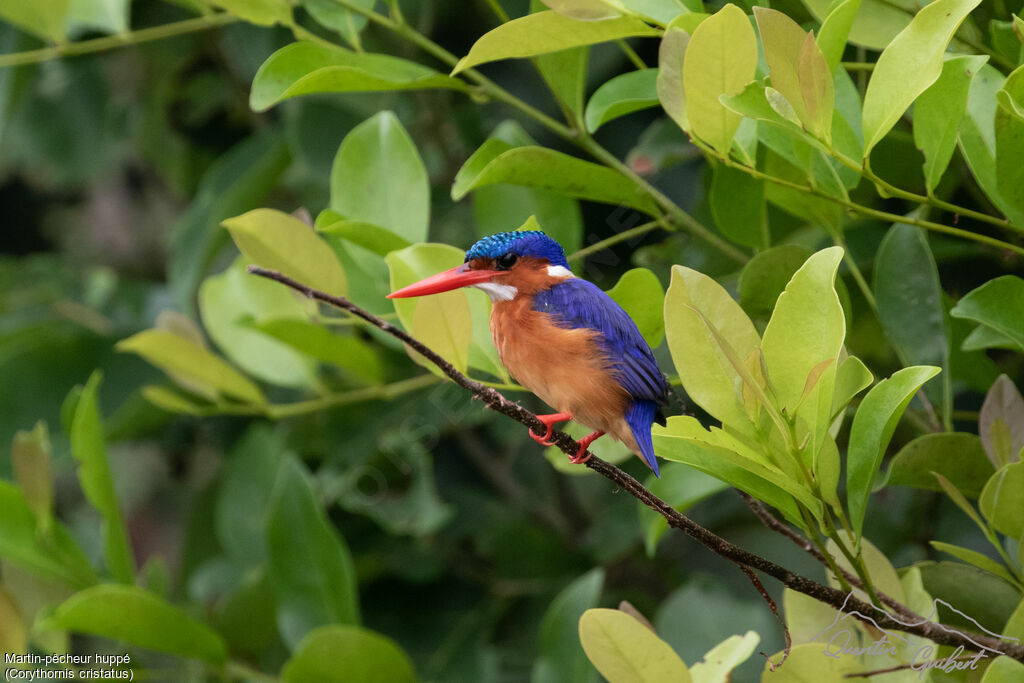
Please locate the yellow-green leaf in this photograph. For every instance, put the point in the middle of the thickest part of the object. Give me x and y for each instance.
(30, 460)
(671, 57)
(626, 651)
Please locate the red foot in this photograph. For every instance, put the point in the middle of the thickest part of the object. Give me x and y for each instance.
(584, 443)
(549, 422)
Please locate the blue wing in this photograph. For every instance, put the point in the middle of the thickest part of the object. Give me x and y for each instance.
(578, 303)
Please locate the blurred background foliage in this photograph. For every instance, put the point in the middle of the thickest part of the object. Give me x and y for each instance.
(116, 170)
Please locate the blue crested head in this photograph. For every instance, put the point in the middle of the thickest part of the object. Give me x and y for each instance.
(521, 243)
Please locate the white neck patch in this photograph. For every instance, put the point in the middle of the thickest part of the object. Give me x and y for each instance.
(559, 271)
(497, 292)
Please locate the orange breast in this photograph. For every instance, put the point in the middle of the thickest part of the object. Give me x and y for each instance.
(564, 367)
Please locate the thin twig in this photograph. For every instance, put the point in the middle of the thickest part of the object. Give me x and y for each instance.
(775, 610)
(937, 633)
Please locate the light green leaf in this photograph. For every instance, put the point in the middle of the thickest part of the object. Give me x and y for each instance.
(22, 542)
(720, 59)
(1003, 670)
(30, 461)
(367, 235)
(331, 15)
(310, 566)
(669, 83)
(348, 654)
(358, 359)
(1001, 422)
(281, 242)
(984, 337)
(565, 73)
(624, 94)
(835, 30)
(872, 429)
(999, 304)
(261, 12)
(12, 631)
(1009, 127)
(376, 163)
(441, 321)
(938, 112)
(911, 63)
(44, 18)
(171, 401)
(108, 16)
(706, 374)
(561, 659)
(852, 377)
(230, 302)
(307, 68)
(958, 457)
(200, 370)
(661, 12)
(90, 450)
(738, 206)
(639, 293)
(817, 89)
(806, 664)
(959, 500)
(583, 10)
(627, 651)
(883, 574)
(973, 557)
(543, 32)
(1000, 500)
(539, 167)
(136, 616)
(977, 138)
(806, 330)
(875, 22)
(720, 660)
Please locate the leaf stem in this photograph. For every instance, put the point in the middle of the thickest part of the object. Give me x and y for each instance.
(144, 35)
(614, 239)
(631, 54)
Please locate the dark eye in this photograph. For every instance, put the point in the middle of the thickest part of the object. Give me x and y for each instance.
(506, 261)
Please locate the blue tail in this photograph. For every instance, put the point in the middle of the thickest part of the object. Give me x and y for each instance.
(640, 418)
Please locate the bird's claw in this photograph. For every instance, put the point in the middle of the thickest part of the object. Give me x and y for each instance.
(549, 422)
(545, 439)
(582, 455)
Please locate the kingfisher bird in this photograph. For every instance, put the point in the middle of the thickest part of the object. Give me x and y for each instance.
(562, 338)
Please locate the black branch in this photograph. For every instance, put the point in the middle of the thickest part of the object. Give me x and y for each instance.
(935, 632)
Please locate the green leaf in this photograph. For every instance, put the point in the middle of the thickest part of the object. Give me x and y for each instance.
(806, 664)
(661, 12)
(1001, 497)
(136, 616)
(1003, 669)
(669, 83)
(720, 59)
(989, 602)
(561, 659)
(543, 32)
(977, 138)
(680, 486)
(12, 630)
(90, 450)
(639, 293)
(738, 206)
(348, 654)
(958, 457)
(624, 94)
(706, 373)
(307, 68)
(261, 12)
(230, 302)
(367, 235)
(883, 574)
(874, 22)
(359, 360)
(310, 566)
(852, 377)
(911, 63)
(1009, 128)
(199, 370)
(346, 23)
(798, 70)
(1001, 422)
(583, 10)
(807, 330)
(441, 321)
(246, 486)
(872, 429)
(44, 18)
(281, 242)
(539, 167)
(835, 30)
(984, 337)
(938, 112)
(973, 557)
(23, 542)
(999, 304)
(765, 276)
(720, 660)
(626, 651)
(30, 460)
(108, 16)
(714, 452)
(377, 162)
